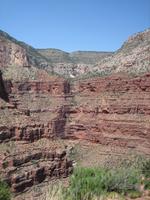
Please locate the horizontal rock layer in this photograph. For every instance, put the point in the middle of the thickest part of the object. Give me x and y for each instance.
(112, 111)
(101, 109)
(24, 169)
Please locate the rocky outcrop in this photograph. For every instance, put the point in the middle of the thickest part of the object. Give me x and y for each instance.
(3, 91)
(27, 168)
(132, 58)
(112, 111)
(12, 54)
(59, 88)
(35, 110)
(16, 53)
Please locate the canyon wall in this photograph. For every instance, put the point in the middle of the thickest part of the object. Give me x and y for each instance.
(112, 111)
(12, 54)
(32, 115)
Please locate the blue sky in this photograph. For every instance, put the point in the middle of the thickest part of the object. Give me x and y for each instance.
(70, 25)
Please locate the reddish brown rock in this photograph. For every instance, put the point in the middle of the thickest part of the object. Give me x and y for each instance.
(24, 169)
(112, 111)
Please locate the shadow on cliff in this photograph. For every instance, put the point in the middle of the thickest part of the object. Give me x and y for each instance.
(3, 92)
(59, 124)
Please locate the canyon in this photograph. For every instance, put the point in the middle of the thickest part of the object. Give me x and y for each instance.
(43, 113)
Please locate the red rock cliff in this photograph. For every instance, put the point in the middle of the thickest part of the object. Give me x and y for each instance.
(112, 111)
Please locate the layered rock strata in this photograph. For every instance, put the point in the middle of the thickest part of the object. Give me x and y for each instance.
(30, 165)
(112, 111)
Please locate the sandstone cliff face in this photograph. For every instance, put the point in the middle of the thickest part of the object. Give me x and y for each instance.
(29, 165)
(12, 54)
(32, 114)
(112, 111)
(16, 53)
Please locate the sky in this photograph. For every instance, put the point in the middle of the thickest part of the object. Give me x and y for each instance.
(71, 25)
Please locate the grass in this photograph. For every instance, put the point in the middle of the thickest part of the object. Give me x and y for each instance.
(55, 192)
(146, 168)
(146, 183)
(5, 193)
(99, 184)
(86, 182)
(125, 180)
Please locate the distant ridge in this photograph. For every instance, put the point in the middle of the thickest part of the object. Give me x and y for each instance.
(133, 57)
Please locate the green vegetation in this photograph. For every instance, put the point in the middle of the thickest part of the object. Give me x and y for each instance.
(77, 57)
(146, 168)
(147, 184)
(88, 182)
(125, 180)
(96, 73)
(5, 193)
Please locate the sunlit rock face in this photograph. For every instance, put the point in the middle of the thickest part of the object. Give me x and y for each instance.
(12, 54)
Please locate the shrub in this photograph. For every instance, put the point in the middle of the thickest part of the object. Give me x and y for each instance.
(146, 168)
(122, 180)
(5, 193)
(147, 184)
(86, 182)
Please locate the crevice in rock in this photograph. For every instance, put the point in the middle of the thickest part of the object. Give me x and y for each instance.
(3, 92)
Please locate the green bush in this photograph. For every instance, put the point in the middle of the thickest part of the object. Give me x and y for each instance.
(5, 193)
(146, 168)
(86, 182)
(147, 184)
(122, 180)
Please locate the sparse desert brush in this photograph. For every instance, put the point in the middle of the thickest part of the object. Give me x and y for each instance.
(55, 192)
(146, 168)
(5, 193)
(88, 182)
(134, 194)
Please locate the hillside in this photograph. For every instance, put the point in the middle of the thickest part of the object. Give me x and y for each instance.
(76, 57)
(14, 52)
(75, 63)
(132, 58)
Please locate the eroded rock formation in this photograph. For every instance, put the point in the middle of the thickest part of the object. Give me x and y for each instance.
(28, 166)
(112, 111)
